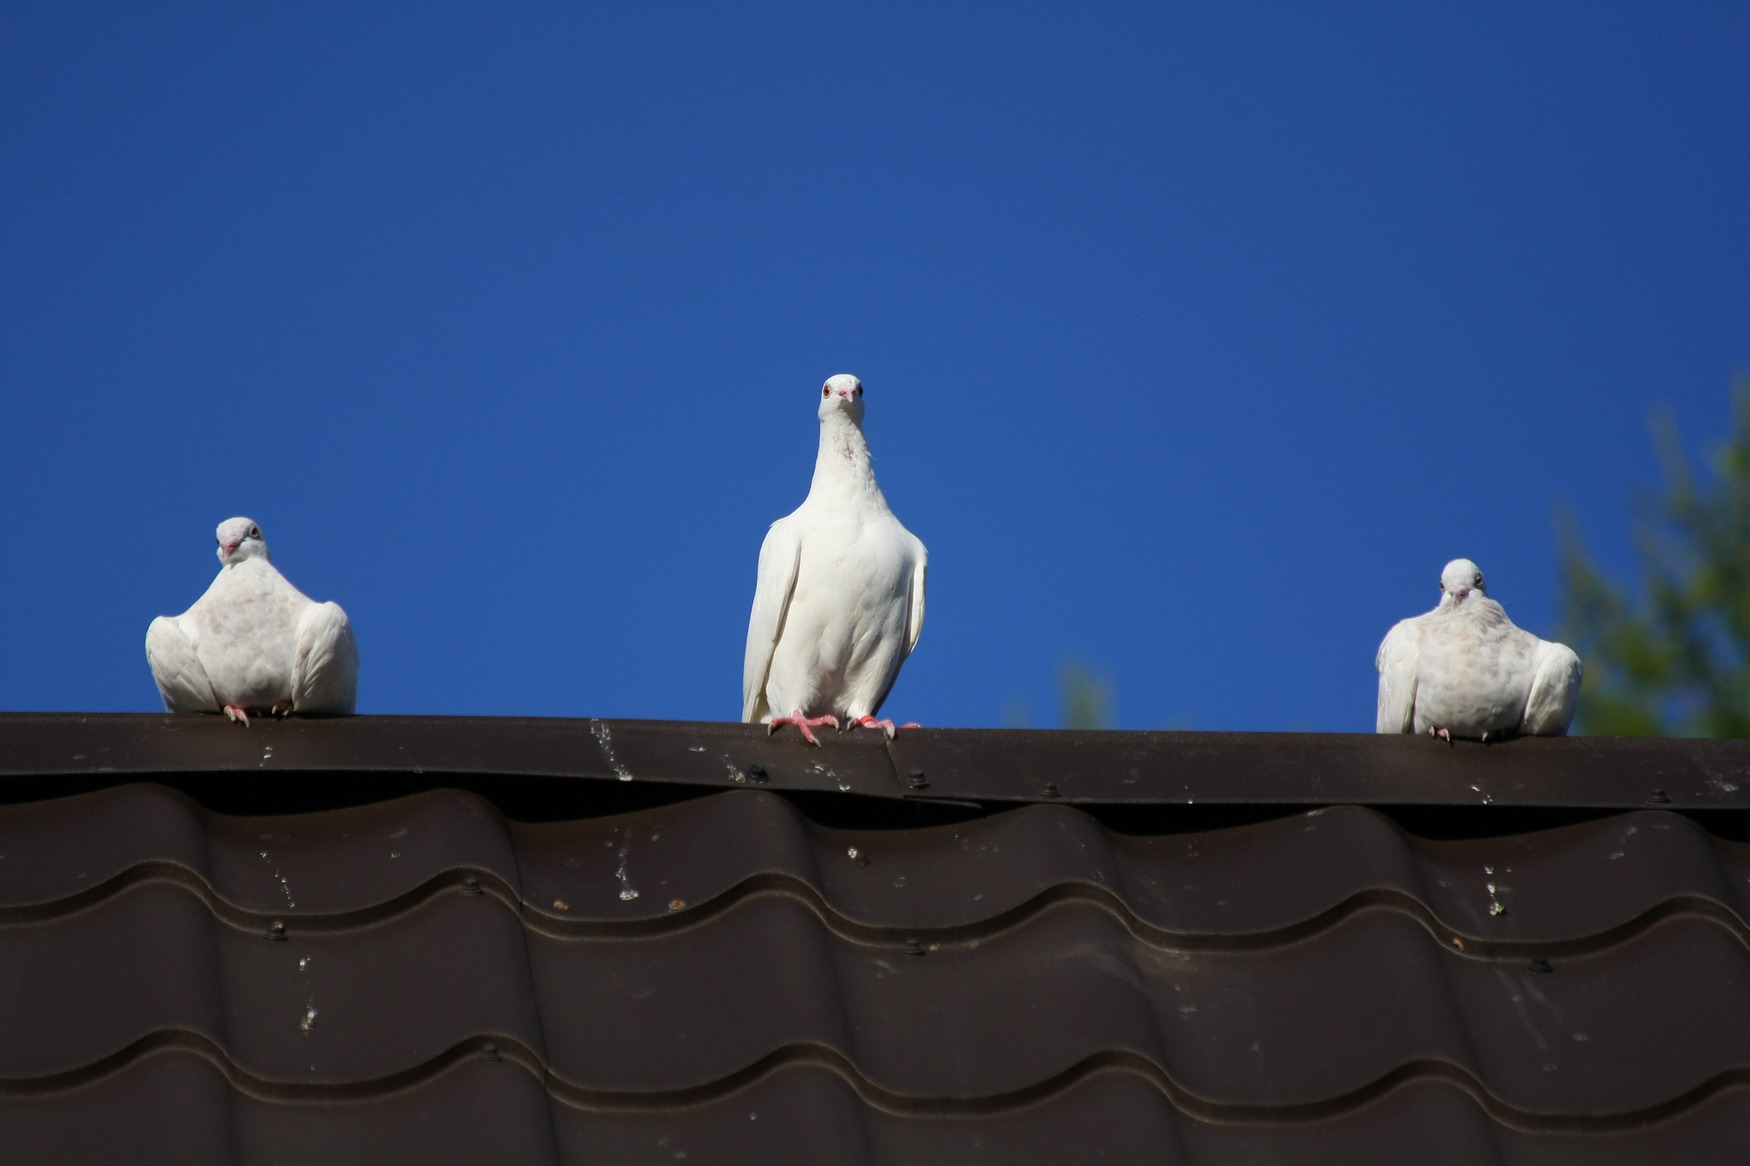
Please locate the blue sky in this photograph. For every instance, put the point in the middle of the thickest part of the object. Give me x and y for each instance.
(1196, 338)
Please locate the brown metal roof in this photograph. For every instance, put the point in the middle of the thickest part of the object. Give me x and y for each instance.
(729, 956)
(925, 765)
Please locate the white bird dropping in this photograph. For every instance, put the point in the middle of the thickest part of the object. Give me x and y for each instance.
(254, 643)
(1465, 670)
(839, 601)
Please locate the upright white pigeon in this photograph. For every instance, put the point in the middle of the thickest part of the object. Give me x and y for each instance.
(254, 643)
(840, 598)
(1465, 670)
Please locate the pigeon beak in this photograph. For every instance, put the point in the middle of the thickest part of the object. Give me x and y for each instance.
(228, 547)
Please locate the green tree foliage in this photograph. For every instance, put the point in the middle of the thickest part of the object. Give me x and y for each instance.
(1674, 661)
(1085, 697)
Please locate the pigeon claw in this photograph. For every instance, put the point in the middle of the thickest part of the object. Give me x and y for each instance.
(868, 722)
(805, 723)
(238, 713)
(885, 725)
(1443, 734)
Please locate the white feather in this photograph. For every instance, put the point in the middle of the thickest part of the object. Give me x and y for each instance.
(1396, 662)
(176, 668)
(1555, 690)
(325, 668)
(771, 599)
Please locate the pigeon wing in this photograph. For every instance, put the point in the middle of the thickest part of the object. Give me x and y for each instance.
(1555, 691)
(914, 619)
(914, 622)
(325, 666)
(182, 682)
(1396, 662)
(780, 554)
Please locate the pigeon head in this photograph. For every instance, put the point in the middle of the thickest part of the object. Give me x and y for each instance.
(1459, 579)
(842, 394)
(239, 539)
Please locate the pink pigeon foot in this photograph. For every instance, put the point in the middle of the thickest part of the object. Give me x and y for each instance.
(238, 713)
(801, 722)
(1443, 734)
(885, 725)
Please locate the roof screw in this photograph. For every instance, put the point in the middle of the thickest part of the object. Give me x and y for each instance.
(1660, 798)
(915, 779)
(276, 931)
(471, 886)
(756, 773)
(914, 946)
(489, 1052)
(1048, 790)
(1540, 965)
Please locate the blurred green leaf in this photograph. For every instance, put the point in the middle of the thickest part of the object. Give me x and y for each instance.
(1087, 697)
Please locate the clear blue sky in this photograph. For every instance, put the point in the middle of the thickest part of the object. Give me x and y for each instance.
(1196, 337)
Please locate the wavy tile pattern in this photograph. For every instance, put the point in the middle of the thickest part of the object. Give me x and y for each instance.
(725, 978)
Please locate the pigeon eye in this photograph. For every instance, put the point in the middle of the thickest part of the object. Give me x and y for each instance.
(255, 532)
(826, 390)
(858, 392)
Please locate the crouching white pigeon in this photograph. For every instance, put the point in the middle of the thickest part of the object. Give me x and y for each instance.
(1465, 670)
(840, 597)
(254, 643)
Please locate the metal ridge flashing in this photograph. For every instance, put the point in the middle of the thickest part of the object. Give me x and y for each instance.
(1164, 768)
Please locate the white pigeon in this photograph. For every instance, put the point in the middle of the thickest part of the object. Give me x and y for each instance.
(1465, 670)
(254, 643)
(840, 598)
